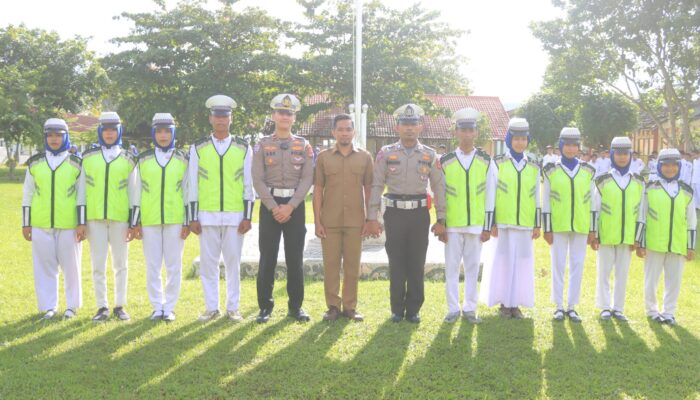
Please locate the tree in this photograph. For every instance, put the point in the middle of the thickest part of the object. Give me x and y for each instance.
(177, 58)
(644, 50)
(42, 76)
(602, 117)
(547, 114)
(406, 54)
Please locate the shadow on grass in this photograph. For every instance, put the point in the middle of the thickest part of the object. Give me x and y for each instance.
(625, 366)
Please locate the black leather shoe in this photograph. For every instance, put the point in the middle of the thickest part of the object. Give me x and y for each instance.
(414, 319)
(264, 316)
(121, 314)
(299, 315)
(101, 315)
(396, 318)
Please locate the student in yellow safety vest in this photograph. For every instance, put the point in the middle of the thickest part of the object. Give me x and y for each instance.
(509, 266)
(107, 182)
(51, 213)
(566, 210)
(615, 208)
(469, 193)
(666, 235)
(159, 215)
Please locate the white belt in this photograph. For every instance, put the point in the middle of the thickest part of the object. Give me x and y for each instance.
(282, 192)
(405, 204)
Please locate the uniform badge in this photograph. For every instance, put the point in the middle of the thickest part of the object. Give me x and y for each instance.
(270, 161)
(380, 155)
(256, 148)
(393, 157)
(297, 158)
(297, 167)
(392, 169)
(309, 151)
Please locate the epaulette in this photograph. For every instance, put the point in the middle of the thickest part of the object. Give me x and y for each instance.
(75, 160)
(390, 147)
(484, 155)
(685, 187)
(241, 141)
(500, 158)
(91, 151)
(588, 166)
(638, 177)
(447, 158)
(651, 184)
(601, 179)
(145, 155)
(35, 158)
(181, 155)
(534, 163)
(548, 168)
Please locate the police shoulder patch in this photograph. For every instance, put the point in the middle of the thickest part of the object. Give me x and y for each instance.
(35, 158)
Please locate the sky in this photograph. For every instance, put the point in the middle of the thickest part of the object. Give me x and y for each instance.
(503, 58)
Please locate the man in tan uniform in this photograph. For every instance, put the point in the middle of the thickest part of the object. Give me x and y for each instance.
(282, 175)
(405, 168)
(341, 193)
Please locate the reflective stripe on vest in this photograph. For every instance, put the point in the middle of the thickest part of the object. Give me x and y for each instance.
(106, 194)
(466, 192)
(162, 199)
(220, 181)
(666, 222)
(54, 203)
(570, 213)
(618, 210)
(515, 193)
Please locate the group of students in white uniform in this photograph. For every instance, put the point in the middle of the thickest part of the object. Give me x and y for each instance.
(616, 213)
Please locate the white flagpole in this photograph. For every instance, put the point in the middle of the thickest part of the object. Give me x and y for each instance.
(361, 136)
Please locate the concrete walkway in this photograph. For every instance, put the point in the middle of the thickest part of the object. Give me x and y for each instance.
(375, 264)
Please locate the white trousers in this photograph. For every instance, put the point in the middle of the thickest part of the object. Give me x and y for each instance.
(509, 269)
(617, 259)
(573, 245)
(467, 247)
(51, 249)
(672, 267)
(214, 242)
(104, 235)
(162, 244)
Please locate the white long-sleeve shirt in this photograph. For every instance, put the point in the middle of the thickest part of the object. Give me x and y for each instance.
(519, 165)
(672, 189)
(162, 158)
(491, 177)
(109, 155)
(546, 204)
(220, 218)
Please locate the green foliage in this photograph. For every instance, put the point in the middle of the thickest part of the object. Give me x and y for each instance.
(177, 58)
(547, 114)
(605, 116)
(406, 54)
(646, 51)
(42, 76)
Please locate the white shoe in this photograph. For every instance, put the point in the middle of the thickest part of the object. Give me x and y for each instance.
(156, 315)
(452, 316)
(471, 317)
(234, 316)
(48, 315)
(209, 315)
(169, 317)
(70, 313)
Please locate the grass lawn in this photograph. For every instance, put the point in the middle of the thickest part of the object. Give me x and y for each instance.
(532, 358)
